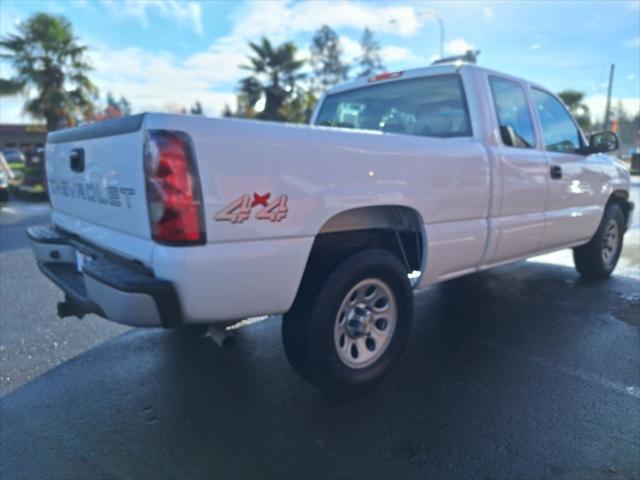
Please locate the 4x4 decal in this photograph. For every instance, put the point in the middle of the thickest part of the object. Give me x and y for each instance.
(240, 209)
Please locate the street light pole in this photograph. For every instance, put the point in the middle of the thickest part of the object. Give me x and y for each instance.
(441, 23)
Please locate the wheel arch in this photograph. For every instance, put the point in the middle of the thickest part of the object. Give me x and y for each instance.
(621, 198)
(398, 229)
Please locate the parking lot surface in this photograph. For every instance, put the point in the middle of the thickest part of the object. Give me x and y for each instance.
(525, 371)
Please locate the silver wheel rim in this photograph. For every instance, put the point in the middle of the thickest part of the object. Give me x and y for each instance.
(610, 242)
(365, 323)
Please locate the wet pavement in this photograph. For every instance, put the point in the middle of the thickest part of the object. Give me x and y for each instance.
(525, 371)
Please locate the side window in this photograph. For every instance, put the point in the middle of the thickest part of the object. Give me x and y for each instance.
(558, 129)
(514, 116)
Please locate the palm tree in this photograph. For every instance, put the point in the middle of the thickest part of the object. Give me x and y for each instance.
(275, 72)
(47, 57)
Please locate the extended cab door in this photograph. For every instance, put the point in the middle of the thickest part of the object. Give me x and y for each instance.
(521, 174)
(575, 199)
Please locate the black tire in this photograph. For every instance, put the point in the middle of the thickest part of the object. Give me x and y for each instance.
(4, 195)
(309, 338)
(598, 258)
(192, 331)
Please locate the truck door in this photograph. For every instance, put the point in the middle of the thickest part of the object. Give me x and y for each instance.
(574, 203)
(521, 174)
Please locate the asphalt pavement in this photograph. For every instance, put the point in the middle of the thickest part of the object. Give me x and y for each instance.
(525, 371)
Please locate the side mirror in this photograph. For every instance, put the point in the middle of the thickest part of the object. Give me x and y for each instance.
(603, 142)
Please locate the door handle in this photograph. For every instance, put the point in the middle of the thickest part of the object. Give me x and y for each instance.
(556, 172)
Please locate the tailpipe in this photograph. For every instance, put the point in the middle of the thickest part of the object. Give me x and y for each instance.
(224, 338)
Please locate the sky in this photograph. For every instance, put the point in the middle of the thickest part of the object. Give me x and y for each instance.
(167, 54)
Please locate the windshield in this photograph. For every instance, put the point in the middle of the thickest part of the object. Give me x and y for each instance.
(428, 106)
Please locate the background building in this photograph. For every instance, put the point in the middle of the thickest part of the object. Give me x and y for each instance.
(24, 137)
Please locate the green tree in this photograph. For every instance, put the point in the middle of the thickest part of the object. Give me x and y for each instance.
(326, 59)
(113, 108)
(250, 92)
(370, 62)
(573, 100)
(275, 73)
(300, 108)
(111, 101)
(197, 109)
(125, 106)
(47, 57)
(117, 108)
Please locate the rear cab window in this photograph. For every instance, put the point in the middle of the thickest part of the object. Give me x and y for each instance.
(433, 106)
(513, 112)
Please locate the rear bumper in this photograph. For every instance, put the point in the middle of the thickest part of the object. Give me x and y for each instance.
(107, 285)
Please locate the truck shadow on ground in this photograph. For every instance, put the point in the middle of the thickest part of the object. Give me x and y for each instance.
(503, 377)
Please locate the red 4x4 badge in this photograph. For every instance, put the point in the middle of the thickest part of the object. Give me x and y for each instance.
(240, 209)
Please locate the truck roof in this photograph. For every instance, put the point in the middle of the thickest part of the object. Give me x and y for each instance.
(418, 72)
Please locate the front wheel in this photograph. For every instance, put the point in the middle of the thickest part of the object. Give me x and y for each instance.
(599, 257)
(345, 332)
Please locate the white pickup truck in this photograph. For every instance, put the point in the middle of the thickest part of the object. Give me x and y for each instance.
(401, 181)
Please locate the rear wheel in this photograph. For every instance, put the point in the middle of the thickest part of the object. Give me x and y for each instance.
(599, 257)
(346, 331)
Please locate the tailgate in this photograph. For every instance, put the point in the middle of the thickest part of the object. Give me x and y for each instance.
(96, 180)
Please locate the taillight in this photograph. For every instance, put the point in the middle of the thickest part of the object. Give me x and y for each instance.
(385, 76)
(173, 191)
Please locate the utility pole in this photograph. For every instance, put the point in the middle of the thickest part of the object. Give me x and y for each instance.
(607, 111)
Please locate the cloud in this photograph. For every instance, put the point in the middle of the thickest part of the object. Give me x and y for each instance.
(151, 80)
(488, 14)
(11, 110)
(390, 54)
(394, 54)
(279, 18)
(534, 46)
(9, 20)
(186, 13)
(598, 103)
(156, 80)
(458, 46)
(350, 48)
(221, 62)
(634, 42)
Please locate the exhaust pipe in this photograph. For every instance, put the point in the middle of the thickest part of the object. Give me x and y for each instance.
(222, 337)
